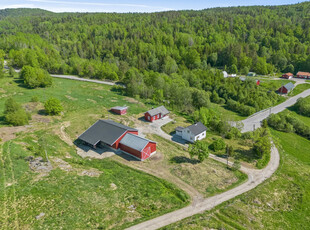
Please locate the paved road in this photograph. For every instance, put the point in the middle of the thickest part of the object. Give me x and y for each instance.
(255, 120)
(255, 177)
(82, 79)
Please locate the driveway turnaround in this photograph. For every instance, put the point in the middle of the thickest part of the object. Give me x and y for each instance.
(254, 121)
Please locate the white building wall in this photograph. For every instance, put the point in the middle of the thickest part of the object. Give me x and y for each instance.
(188, 136)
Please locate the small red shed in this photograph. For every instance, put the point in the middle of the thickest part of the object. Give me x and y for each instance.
(286, 88)
(137, 147)
(155, 114)
(121, 110)
(287, 75)
(257, 82)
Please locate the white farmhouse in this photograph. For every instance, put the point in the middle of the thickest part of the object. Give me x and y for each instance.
(193, 132)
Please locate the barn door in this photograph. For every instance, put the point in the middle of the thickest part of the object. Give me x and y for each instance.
(146, 153)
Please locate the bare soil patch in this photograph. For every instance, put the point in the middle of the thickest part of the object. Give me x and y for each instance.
(91, 100)
(9, 133)
(71, 98)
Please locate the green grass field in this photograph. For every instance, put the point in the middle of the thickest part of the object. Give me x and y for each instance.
(281, 202)
(299, 89)
(70, 199)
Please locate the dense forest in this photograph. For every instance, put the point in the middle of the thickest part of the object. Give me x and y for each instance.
(173, 56)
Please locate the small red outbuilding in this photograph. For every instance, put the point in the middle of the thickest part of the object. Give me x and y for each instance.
(121, 110)
(287, 75)
(155, 114)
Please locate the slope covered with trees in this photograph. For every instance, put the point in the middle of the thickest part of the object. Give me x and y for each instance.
(172, 56)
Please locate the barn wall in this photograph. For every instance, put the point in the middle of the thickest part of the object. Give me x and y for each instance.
(131, 151)
(152, 146)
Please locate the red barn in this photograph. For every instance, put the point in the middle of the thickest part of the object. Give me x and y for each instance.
(106, 133)
(287, 75)
(121, 110)
(286, 88)
(305, 75)
(155, 114)
(137, 147)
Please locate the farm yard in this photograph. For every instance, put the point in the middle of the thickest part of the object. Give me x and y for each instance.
(37, 192)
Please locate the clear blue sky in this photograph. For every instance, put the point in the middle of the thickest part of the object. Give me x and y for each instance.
(131, 5)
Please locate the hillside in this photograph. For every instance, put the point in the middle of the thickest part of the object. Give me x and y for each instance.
(172, 56)
(23, 12)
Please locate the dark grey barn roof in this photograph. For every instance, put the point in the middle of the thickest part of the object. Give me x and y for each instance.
(158, 110)
(135, 142)
(179, 129)
(197, 128)
(106, 131)
(289, 86)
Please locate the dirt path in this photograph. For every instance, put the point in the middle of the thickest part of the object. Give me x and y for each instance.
(16, 222)
(63, 135)
(5, 197)
(255, 177)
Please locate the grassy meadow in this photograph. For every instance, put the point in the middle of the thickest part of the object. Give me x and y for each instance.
(281, 202)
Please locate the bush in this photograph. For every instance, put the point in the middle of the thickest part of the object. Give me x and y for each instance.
(53, 106)
(218, 145)
(35, 77)
(236, 165)
(303, 106)
(199, 149)
(14, 114)
(35, 99)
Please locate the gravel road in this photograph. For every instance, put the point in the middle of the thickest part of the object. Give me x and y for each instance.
(82, 79)
(254, 121)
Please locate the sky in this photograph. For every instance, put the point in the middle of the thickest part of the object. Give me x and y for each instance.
(132, 5)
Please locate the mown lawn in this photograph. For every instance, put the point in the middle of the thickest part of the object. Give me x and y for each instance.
(274, 84)
(282, 202)
(70, 200)
(299, 89)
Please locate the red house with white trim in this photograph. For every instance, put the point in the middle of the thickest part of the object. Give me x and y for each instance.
(286, 88)
(305, 75)
(107, 133)
(121, 110)
(288, 75)
(155, 114)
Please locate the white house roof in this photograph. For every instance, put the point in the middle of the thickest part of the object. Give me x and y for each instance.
(119, 107)
(158, 110)
(135, 142)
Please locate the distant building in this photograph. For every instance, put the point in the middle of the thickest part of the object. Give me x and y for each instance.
(121, 110)
(232, 75)
(225, 74)
(257, 82)
(286, 88)
(251, 74)
(288, 75)
(193, 132)
(155, 114)
(305, 75)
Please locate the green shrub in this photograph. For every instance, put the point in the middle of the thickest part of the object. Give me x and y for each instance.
(53, 106)
(14, 114)
(35, 99)
(218, 145)
(236, 165)
(35, 77)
